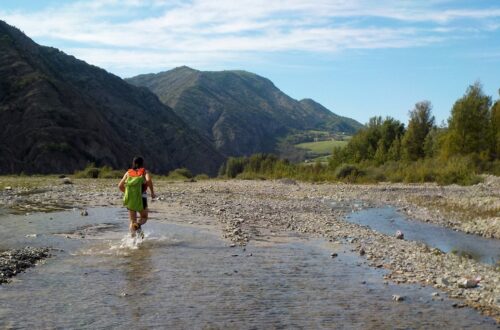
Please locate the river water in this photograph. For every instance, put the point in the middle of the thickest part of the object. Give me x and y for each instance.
(184, 276)
(387, 220)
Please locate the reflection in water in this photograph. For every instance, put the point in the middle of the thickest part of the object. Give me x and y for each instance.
(139, 274)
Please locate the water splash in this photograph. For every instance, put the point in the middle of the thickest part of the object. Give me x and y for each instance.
(128, 242)
(124, 244)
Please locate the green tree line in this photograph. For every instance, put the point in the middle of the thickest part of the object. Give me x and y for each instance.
(387, 150)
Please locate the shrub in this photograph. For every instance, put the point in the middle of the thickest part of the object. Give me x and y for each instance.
(419, 171)
(89, 172)
(250, 176)
(375, 174)
(458, 170)
(347, 170)
(202, 176)
(180, 174)
(235, 166)
(107, 172)
(493, 167)
(93, 172)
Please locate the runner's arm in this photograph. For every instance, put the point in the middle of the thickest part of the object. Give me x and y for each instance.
(121, 185)
(149, 182)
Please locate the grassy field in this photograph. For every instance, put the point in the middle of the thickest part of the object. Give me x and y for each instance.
(321, 147)
(27, 182)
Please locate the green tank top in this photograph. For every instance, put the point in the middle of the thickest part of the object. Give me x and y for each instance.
(133, 193)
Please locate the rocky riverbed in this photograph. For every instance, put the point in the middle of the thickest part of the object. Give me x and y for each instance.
(12, 262)
(246, 210)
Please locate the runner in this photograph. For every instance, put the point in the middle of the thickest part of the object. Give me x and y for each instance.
(134, 184)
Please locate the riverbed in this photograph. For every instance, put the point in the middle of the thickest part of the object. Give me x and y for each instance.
(242, 213)
(183, 275)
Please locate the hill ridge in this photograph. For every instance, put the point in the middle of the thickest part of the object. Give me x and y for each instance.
(240, 111)
(61, 113)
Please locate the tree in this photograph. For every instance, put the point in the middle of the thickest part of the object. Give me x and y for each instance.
(495, 128)
(469, 125)
(434, 141)
(391, 132)
(420, 124)
(374, 143)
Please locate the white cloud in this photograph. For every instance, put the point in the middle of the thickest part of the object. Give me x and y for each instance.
(114, 33)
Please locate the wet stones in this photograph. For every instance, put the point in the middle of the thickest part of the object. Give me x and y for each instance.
(12, 262)
(398, 298)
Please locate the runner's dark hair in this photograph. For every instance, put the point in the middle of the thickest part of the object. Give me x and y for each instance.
(137, 162)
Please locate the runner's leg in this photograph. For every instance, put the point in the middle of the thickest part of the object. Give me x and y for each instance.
(144, 212)
(133, 222)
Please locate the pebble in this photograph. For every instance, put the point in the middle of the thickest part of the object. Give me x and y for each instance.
(400, 235)
(396, 297)
(15, 261)
(467, 283)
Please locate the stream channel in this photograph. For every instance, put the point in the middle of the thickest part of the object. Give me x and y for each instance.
(185, 276)
(387, 220)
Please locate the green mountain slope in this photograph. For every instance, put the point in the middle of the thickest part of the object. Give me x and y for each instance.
(59, 113)
(240, 112)
(331, 122)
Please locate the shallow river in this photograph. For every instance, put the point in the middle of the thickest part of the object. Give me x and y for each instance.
(387, 220)
(182, 276)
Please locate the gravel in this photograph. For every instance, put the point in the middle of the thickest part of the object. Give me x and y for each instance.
(245, 210)
(12, 262)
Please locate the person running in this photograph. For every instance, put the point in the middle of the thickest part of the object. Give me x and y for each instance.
(134, 184)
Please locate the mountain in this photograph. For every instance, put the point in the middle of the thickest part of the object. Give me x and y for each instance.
(331, 122)
(59, 113)
(240, 112)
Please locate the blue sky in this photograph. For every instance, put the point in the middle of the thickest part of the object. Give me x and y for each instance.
(359, 58)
